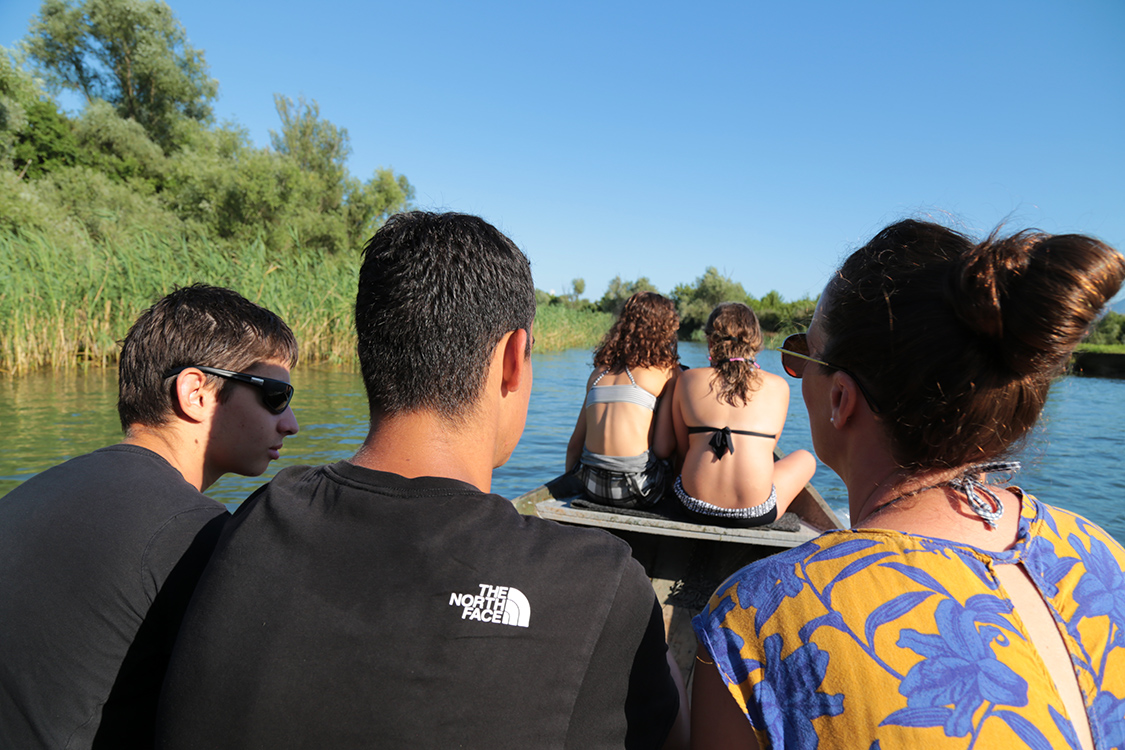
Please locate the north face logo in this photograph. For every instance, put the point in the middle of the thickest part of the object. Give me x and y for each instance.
(502, 604)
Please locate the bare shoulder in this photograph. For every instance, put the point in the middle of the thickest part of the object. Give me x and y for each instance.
(696, 374)
(654, 378)
(695, 379)
(773, 382)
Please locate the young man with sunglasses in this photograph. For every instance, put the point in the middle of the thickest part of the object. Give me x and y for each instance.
(390, 600)
(99, 555)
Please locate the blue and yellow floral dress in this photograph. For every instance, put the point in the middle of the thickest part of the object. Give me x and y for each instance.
(871, 638)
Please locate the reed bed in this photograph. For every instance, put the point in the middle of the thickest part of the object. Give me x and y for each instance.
(66, 307)
(558, 328)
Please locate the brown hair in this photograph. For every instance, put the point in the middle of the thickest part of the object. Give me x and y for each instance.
(733, 331)
(195, 325)
(959, 341)
(643, 336)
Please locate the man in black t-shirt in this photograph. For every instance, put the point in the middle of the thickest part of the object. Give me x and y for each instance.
(390, 600)
(99, 555)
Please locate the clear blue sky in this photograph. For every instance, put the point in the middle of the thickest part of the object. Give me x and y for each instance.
(656, 139)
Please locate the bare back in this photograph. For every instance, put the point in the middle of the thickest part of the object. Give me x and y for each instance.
(743, 477)
(622, 428)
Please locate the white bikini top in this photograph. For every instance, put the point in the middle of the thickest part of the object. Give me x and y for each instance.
(620, 394)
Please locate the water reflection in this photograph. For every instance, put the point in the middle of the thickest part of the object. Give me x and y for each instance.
(1072, 459)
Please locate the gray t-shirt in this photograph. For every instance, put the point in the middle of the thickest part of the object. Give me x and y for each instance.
(98, 558)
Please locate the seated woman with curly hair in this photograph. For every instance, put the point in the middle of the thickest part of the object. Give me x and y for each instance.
(728, 418)
(624, 431)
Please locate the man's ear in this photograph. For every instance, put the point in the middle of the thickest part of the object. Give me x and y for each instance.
(517, 363)
(192, 396)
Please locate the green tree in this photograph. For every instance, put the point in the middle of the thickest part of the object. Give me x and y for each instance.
(17, 91)
(1109, 330)
(369, 204)
(618, 291)
(119, 147)
(48, 142)
(133, 54)
(695, 302)
(320, 150)
(778, 316)
(316, 145)
(144, 158)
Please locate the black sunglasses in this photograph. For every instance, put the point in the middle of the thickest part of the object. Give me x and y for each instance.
(276, 394)
(795, 355)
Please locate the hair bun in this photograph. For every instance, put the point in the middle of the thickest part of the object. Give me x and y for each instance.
(1032, 297)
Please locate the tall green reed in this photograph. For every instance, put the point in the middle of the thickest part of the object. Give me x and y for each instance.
(64, 307)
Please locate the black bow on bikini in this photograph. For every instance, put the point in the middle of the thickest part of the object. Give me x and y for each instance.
(722, 443)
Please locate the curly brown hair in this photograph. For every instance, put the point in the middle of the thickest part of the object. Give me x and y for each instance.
(733, 333)
(643, 336)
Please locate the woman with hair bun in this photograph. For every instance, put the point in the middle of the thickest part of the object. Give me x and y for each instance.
(956, 612)
(728, 418)
(624, 432)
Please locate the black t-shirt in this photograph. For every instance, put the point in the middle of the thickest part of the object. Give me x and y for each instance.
(349, 608)
(98, 558)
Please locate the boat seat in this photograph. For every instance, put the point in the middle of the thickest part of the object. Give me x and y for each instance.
(567, 510)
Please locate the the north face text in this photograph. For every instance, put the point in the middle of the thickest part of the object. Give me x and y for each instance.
(499, 604)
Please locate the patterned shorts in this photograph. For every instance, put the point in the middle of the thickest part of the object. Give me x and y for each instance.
(624, 489)
(701, 512)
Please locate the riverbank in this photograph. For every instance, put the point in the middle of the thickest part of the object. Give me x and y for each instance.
(68, 307)
(1099, 362)
(63, 308)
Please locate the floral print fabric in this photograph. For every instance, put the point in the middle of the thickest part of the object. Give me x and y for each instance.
(878, 639)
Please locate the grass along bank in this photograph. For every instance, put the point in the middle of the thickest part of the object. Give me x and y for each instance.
(63, 307)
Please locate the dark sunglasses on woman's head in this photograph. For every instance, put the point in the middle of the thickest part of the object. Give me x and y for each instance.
(276, 394)
(795, 355)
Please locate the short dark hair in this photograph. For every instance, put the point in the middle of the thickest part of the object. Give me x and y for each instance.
(733, 330)
(195, 325)
(644, 334)
(959, 340)
(437, 292)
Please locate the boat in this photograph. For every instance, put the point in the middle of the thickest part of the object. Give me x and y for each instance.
(685, 561)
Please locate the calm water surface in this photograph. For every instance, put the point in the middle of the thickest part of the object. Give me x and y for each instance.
(1075, 459)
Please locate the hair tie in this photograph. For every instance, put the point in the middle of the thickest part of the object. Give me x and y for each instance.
(751, 360)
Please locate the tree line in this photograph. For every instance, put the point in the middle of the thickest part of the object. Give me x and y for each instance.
(144, 155)
(694, 302)
(778, 317)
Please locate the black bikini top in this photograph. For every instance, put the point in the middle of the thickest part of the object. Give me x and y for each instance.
(721, 441)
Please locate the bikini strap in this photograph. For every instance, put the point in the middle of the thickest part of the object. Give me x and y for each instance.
(606, 372)
(694, 430)
(721, 442)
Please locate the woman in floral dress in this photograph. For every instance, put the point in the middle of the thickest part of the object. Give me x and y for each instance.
(955, 613)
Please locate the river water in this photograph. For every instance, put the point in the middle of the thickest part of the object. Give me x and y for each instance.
(1074, 459)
